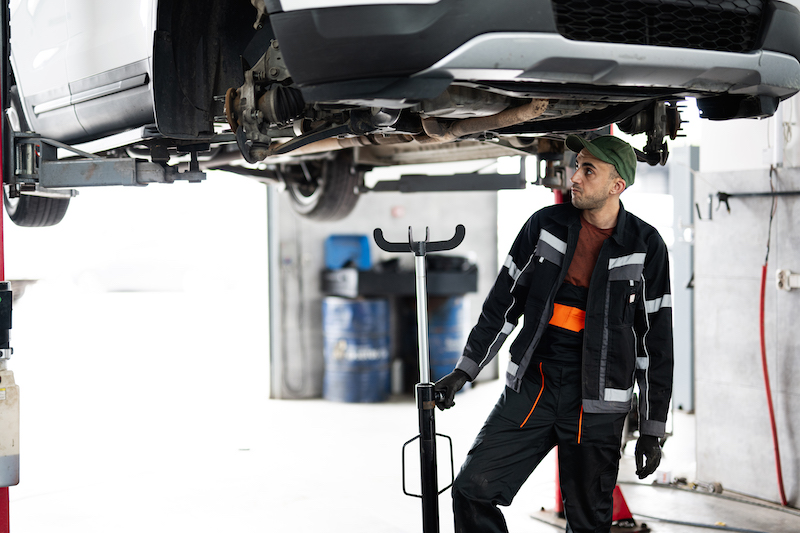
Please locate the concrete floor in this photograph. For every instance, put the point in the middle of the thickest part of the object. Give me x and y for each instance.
(147, 412)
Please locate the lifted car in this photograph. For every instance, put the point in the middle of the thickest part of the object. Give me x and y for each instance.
(313, 93)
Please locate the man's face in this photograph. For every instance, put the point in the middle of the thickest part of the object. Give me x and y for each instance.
(592, 182)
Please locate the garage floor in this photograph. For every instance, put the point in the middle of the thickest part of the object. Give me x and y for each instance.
(141, 413)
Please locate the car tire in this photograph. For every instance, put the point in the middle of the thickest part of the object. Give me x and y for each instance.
(324, 190)
(35, 211)
(30, 211)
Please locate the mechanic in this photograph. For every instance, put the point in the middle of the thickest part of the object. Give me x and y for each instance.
(593, 283)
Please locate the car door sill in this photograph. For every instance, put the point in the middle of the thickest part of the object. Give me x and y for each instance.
(91, 94)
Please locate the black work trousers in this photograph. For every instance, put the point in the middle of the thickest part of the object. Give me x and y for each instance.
(521, 429)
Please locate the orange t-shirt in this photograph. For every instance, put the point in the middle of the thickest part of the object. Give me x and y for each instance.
(590, 240)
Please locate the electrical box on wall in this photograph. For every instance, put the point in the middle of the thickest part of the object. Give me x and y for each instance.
(787, 280)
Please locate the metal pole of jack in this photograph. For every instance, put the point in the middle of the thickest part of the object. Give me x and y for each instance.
(426, 405)
(426, 397)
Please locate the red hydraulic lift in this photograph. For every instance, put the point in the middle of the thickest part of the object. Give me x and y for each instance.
(4, 91)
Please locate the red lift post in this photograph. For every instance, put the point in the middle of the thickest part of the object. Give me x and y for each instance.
(4, 91)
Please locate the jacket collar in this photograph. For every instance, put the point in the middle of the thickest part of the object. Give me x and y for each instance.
(619, 230)
(571, 215)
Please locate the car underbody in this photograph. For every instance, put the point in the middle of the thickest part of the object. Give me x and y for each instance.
(314, 98)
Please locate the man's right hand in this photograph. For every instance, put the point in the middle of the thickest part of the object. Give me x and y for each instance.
(448, 386)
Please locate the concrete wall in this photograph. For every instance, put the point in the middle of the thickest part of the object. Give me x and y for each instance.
(734, 444)
(297, 370)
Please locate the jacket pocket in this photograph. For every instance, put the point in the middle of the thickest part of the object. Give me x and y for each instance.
(624, 288)
(549, 248)
(624, 296)
(621, 358)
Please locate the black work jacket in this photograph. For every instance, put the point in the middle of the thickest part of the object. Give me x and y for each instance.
(628, 329)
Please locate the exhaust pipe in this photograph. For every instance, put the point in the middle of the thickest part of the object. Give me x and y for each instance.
(436, 131)
(440, 132)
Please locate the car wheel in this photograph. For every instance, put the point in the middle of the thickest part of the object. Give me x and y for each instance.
(25, 210)
(35, 211)
(325, 189)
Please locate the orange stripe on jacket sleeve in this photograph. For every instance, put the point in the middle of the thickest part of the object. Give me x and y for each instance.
(567, 317)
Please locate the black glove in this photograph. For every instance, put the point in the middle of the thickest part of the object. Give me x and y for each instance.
(448, 386)
(649, 447)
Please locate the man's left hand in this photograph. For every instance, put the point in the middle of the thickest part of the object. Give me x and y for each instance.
(649, 447)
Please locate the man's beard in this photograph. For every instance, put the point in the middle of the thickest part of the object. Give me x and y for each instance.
(589, 202)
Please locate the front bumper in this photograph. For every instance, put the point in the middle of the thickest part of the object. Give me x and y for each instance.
(550, 58)
(384, 51)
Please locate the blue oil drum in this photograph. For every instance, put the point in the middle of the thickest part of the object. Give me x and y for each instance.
(448, 328)
(356, 348)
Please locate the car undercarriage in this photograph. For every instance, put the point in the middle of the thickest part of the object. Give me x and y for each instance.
(314, 98)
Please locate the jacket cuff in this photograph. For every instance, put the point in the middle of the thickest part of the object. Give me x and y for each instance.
(469, 366)
(652, 427)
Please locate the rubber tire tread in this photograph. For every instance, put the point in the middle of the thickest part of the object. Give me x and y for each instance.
(37, 211)
(32, 211)
(339, 196)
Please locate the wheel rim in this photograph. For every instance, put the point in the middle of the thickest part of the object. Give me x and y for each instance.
(307, 194)
(306, 190)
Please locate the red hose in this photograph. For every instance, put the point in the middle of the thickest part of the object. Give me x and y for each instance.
(769, 391)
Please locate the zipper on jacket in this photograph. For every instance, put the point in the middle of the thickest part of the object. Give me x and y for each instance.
(541, 390)
(544, 320)
(589, 300)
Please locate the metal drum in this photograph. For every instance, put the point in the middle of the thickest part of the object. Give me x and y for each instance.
(356, 348)
(448, 328)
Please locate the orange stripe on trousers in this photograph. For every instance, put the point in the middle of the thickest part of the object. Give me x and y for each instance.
(580, 425)
(537, 398)
(570, 318)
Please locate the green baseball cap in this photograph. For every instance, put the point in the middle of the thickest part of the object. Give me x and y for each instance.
(611, 150)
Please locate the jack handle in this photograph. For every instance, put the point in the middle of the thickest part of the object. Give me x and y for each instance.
(419, 247)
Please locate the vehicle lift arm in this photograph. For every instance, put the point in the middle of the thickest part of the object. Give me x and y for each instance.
(36, 163)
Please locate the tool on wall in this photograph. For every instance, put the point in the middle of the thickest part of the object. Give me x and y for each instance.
(426, 397)
(723, 198)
